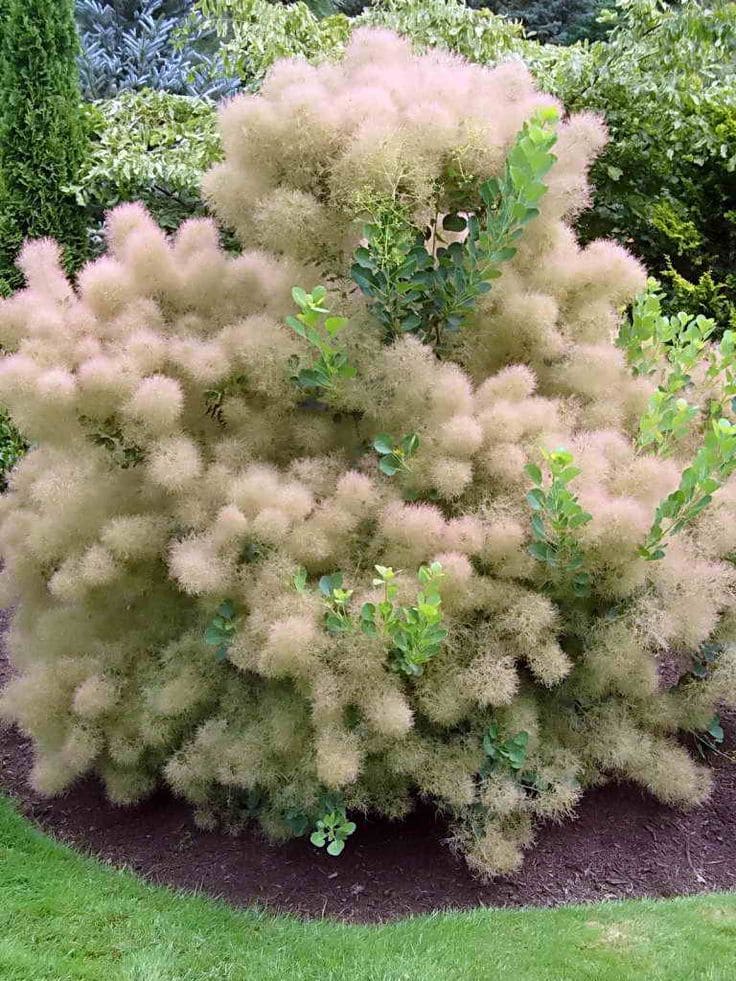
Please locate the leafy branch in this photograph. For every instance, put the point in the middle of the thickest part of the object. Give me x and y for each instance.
(337, 617)
(510, 752)
(428, 293)
(710, 738)
(319, 329)
(556, 517)
(415, 632)
(109, 434)
(220, 631)
(673, 346)
(713, 464)
(214, 398)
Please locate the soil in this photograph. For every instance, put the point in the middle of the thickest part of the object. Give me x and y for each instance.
(622, 844)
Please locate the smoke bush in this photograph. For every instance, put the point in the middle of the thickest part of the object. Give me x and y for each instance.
(217, 585)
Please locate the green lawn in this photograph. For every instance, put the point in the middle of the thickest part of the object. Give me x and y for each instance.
(66, 917)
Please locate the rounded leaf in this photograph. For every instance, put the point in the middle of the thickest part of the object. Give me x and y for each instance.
(383, 444)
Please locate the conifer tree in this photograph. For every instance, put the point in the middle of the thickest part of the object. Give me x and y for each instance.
(42, 138)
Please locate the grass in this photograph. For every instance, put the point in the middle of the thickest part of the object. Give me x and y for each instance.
(64, 917)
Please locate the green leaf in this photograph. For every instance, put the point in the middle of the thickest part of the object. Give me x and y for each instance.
(387, 465)
(328, 583)
(411, 322)
(534, 472)
(227, 610)
(297, 822)
(364, 258)
(333, 325)
(538, 526)
(318, 838)
(300, 296)
(454, 223)
(368, 611)
(540, 551)
(715, 730)
(336, 624)
(360, 279)
(383, 444)
(410, 444)
(580, 519)
(212, 636)
(536, 499)
(336, 847)
(297, 326)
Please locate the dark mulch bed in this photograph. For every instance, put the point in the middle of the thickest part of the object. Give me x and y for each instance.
(623, 844)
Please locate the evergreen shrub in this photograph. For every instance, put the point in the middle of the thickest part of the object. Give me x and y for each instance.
(306, 552)
(42, 137)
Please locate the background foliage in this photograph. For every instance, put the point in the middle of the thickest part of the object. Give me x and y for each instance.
(666, 185)
(555, 21)
(132, 44)
(147, 146)
(552, 21)
(255, 33)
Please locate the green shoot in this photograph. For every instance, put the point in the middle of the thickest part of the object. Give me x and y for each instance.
(415, 632)
(714, 463)
(394, 455)
(300, 580)
(220, 631)
(556, 517)
(319, 329)
(332, 830)
(337, 599)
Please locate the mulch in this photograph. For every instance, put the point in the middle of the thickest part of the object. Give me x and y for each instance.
(622, 844)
